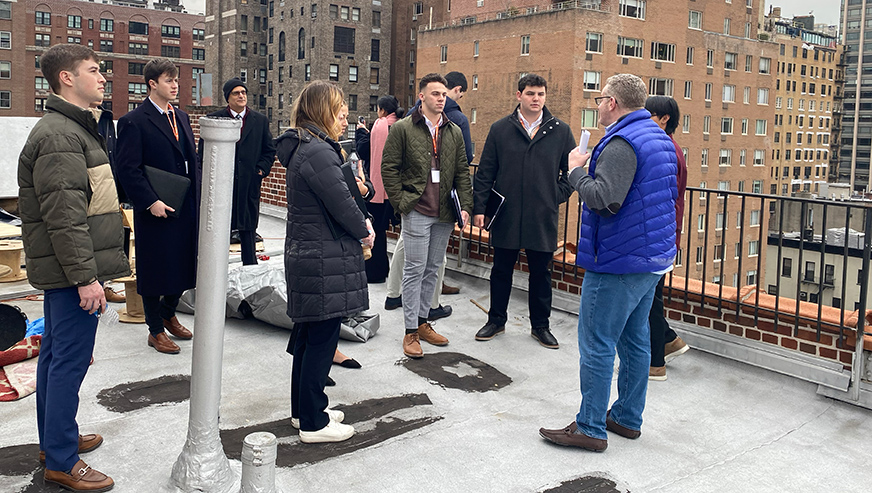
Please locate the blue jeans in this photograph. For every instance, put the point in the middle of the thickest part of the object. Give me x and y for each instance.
(613, 315)
(64, 356)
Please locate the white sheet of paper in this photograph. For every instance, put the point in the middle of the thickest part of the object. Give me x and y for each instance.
(434, 175)
(583, 141)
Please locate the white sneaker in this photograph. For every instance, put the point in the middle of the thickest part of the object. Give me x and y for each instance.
(333, 432)
(335, 415)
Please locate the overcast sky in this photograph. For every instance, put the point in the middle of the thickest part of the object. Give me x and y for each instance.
(824, 11)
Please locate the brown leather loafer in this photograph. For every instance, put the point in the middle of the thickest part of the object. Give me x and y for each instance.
(80, 478)
(178, 330)
(446, 289)
(568, 437)
(113, 297)
(625, 432)
(87, 443)
(163, 344)
(426, 333)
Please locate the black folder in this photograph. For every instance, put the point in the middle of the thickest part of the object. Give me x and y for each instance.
(170, 188)
(455, 201)
(494, 205)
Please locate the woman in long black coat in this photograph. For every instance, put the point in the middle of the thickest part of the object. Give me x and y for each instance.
(324, 264)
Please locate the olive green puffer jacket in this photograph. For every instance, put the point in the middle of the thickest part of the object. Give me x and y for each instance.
(71, 223)
(406, 161)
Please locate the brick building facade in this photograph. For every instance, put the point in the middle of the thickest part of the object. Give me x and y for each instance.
(407, 17)
(124, 37)
(705, 54)
(278, 47)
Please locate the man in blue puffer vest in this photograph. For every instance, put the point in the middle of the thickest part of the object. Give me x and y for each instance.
(627, 242)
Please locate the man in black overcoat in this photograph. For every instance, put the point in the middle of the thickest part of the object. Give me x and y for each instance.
(255, 153)
(158, 134)
(525, 160)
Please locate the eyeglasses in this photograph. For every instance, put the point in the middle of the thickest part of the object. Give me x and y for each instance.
(600, 99)
(238, 93)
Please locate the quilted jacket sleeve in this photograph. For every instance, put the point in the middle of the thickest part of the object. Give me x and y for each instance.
(321, 171)
(392, 159)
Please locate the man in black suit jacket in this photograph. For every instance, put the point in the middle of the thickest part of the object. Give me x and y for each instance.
(255, 153)
(158, 135)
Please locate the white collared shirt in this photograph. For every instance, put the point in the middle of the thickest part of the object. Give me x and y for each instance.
(162, 110)
(240, 115)
(530, 127)
(432, 127)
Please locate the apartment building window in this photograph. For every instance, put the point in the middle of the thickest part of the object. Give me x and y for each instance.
(137, 28)
(678, 256)
(688, 89)
(708, 91)
(778, 101)
(352, 74)
(376, 18)
(710, 58)
(764, 66)
(690, 55)
(742, 163)
(729, 93)
(731, 60)
(5, 70)
(746, 95)
(632, 8)
(475, 49)
(663, 51)
(6, 40)
(591, 81)
(40, 84)
(525, 44)
(727, 26)
(176, 31)
(630, 47)
(694, 20)
(790, 103)
(373, 76)
(763, 95)
(700, 254)
(685, 124)
(726, 157)
(589, 118)
(717, 256)
(107, 25)
(759, 154)
(704, 158)
(137, 88)
(39, 105)
(373, 103)
(198, 54)
(43, 18)
(138, 49)
(195, 71)
(343, 40)
(751, 278)
(74, 40)
(375, 50)
(726, 126)
(261, 75)
(753, 248)
(706, 124)
(760, 127)
(702, 196)
(744, 126)
(5, 100)
(755, 218)
(355, 14)
(262, 48)
(170, 51)
(333, 11)
(5, 10)
(443, 56)
(660, 87)
(43, 40)
(749, 61)
(593, 43)
(74, 22)
(334, 72)
(747, 29)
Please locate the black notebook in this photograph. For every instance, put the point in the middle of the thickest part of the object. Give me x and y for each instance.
(494, 205)
(170, 188)
(458, 211)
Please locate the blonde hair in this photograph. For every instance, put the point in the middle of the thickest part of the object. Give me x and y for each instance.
(318, 105)
(628, 90)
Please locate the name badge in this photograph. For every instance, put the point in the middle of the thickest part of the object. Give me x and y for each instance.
(434, 175)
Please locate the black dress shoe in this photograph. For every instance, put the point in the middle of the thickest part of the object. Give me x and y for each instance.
(441, 311)
(545, 337)
(393, 303)
(349, 363)
(330, 382)
(489, 331)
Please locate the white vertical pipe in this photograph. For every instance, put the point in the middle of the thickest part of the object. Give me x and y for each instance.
(259, 463)
(202, 465)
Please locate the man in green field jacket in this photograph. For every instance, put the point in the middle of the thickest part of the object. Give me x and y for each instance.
(423, 160)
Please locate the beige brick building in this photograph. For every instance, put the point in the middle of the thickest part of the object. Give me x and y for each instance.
(806, 135)
(706, 54)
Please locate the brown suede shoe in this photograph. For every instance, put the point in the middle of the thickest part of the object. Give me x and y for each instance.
(113, 297)
(81, 478)
(412, 346)
(163, 344)
(87, 443)
(178, 330)
(446, 289)
(569, 437)
(425, 330)
(625, 432)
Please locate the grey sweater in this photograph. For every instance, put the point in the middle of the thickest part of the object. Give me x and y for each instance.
(615, 169)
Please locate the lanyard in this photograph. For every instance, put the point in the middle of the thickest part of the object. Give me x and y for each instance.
(435, 140)
(171, 117)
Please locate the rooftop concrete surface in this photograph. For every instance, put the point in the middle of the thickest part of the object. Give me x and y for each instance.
(452, 421)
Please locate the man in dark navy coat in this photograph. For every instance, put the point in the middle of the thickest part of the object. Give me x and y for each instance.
(255, 153)
(159, 135)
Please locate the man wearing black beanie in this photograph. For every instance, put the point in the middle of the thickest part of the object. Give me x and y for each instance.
(255, 153)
